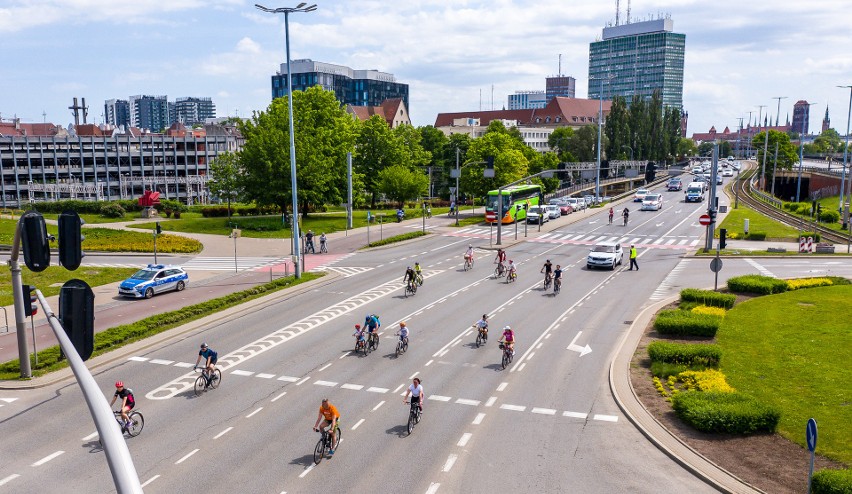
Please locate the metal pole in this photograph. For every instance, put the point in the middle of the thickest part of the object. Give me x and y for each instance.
(35, 350)
(293, 186)
(234, 234)
(18, 296)
(711, 202)
(368, 227)
(458, 173)
(843, 201)
(499, 215)
(802, 149)
(763, 170)
(774, 166)
(598, 161)
(155, 246)
(516, 223)
(349, 192)
(424, 216)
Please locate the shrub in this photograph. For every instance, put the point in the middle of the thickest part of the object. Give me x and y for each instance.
(705, 380)
(808, 283)
(760, 236)
(215, 211)
(662, 370)
(815, 235)
(712, 311)
(708, 297)
(829, 216)
(685, 353)
(832, 481)
(112, 210)
(685, 323)
(804, 209)
(398, 238)
(733, 413)
(755, 283)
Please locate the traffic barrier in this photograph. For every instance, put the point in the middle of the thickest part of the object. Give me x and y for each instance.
(810, 244)
(803, 247)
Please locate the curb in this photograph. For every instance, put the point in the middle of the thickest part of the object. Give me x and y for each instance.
(367, 248)
(667, 442)
(172, 334)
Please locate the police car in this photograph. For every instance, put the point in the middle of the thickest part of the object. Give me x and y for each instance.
(156, 278)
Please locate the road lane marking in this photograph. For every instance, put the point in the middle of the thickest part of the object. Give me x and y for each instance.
(464, 439)
(544, 411)
(377, 390)
(414, 375)
(356, 387)
(478, 419)
(162, 362)
(242, 373)
(451, 460)
(522, 366)
(9, 478)
(303, 381)
(398, 388)
(502, 386)
(433, 488)
(187, 456)
(302, 475)
(377, 406)
(47, 459)
(265, 376)
(463, 401)
(605, 418)
(217, 436)
(289, 379)
(326, 366)
(138, 359)
(344, 355)
(439, 398)
(185, 365)
(490, 401)
(252, 414)
(155, 477)
(91, 436)
(576, 415)
(325, 383)
(514, 408)
(429, 362)
(357, 424)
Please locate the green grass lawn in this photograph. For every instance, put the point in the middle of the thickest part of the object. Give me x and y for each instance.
(794, 350)
(94, 219)
(735, 223)
(472, 220)
(55, 275)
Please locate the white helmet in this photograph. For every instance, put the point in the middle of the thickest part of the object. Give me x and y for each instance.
(507, 328)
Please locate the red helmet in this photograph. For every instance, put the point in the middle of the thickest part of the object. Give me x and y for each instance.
(119, 384)
(357, 326)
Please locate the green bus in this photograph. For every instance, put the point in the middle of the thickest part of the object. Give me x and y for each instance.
(516, 195)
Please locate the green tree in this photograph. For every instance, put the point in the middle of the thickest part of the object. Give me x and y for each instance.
(377, 148)
(686, 147)
(787, 153)
(583, 144)
(324, 133)
(435, 142)
(558, 141)
(399, 183)
(546, 161)
(617, 130)
(410, 137)
(225, 180)
(510, 163)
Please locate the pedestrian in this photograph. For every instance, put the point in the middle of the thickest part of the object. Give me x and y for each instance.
(323, 248)
(452, 207)
(633, 258)
(309, 241)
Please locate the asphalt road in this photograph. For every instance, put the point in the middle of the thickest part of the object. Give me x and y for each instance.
(548, 422)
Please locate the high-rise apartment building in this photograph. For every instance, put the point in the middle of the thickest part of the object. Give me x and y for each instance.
(526, 100)
(801, 116)
(117, 112)
(560, 85)
(638, 58)
(193, 111)
(149, 112)
(350, 87)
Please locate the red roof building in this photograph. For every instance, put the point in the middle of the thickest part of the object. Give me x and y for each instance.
(392, 110)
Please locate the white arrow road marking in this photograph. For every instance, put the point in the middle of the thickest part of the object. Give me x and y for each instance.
(577, 348)
(660, 224)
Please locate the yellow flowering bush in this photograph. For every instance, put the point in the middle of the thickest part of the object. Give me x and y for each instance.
(711, 311)
(706, 380)
(808, 283)
(660, 388)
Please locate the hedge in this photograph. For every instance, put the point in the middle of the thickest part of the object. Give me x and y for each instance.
(708, 297)
(759, 236)
(829, 216)
(685, 353)
(755, 283)
(397, 238)
(733, 413)
(832, 482)
(686, 323)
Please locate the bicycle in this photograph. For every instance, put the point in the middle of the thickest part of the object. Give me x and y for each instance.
(137, 422)
(512, 276)
(481, 336)
(373, 341)
(507, 355)
(468, 263)
(414, 414)
(206, 381)
(401, 346)
(625, 221)
(548, 279)
(557, 285)
(324, 444)
(323, 248)
(500, 270)
(362, 346)
(410, 288)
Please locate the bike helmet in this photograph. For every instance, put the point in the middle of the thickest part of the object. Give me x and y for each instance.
(511, 261)
(402, 324)
(485, 316)
(119, 384)
(507, 328)
(203, 346)
(357, 326)
(470, 245)
(416, 263)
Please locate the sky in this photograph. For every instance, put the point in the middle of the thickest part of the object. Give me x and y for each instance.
(456, 55)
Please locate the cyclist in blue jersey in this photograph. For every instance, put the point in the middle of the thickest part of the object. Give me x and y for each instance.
(210, 358)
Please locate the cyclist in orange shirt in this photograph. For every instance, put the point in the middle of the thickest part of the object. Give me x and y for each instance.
(330, 417)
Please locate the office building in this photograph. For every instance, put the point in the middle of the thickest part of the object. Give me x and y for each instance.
(526, 100)
(350, 86)
(193, 111)
(149, 112)
(117, 113)
(560, 85)
(801, 115)
(638, 58)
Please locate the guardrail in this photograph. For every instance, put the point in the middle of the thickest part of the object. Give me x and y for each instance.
(777, 203)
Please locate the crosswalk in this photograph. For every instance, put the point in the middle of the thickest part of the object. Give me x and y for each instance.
(346, 271)
(228, 264)
(648, 241)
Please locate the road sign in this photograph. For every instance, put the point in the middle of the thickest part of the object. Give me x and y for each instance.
(704, 219)
(452, 190)
(811, 435)
(716, 265)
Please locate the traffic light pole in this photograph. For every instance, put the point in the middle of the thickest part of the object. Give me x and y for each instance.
(18, 297)
(711, 201)
(500, 211)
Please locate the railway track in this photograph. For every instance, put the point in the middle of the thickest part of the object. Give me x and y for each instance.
(745, 185)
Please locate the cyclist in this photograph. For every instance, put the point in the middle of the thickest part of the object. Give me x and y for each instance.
(403, 332)
(127, 402)
(501, 256)
(415, 389)
(547, 269)
(400, 214)
(323, 239)
(359, 335)
(508, 338)
(331, 419)
(418, 273)
(611, 213)
(210, 358)
(410, 276)
(511, 271)
(372, 325)
(626, 214)
(557, 278)
(468, 255)
(482, 326)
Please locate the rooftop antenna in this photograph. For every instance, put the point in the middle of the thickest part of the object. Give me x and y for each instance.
(617, 10)
(43, 116)
(628, 11)
(559, 73)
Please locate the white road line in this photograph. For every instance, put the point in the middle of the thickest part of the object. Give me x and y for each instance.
(377, 406)
(289, 379)
(463, 401)
(252, 414)
(427, 363)
(377, 390)
(187, 456)
(47, 459)
(217, 436)
(242, 373)
(464, 439)
(90, 436)
(522, 366)
(544, 411)
(399, 387)
(539, 345)
(302, 475)
(414, 375)
(344, 355)
(576, 415)
(265, 376)
(325, 383)
(502, 386)
(303, 381)
(433, 488)
(326, 366)
(478, 419)
(449, 463)
(155, 477)
(9, 478)
(760, 268)
(357, 424)
(439, 398)
(514, 408)
(605, 418)
(530, 356)
(162, 362)
(355, 387)
(490, 401)
(185, 365)
(138, 359)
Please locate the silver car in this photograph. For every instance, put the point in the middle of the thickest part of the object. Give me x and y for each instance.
(553, 211)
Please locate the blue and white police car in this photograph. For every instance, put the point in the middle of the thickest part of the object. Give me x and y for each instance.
(156, 278)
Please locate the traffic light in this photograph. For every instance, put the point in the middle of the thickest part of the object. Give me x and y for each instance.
(77, 315)
(30, 300)
(819, 210)
(35, 243)
(489, 167)
(650, 171)
(159, 229)
(70, 240)
(723, 233)
(813, 208)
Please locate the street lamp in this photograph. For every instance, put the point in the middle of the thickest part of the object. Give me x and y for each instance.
(843, 200)
(805, 117)
(631, 150)
(608, 77)
(295, 226)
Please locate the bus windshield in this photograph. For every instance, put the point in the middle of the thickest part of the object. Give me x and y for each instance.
(493, 204)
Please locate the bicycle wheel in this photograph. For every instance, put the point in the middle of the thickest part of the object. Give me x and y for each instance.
(319, 451)
(398, 348)
(408, 291)
(405, 346)
(137, 423)
(478, 339)
(337, 436)
(466, 265)
(412, 421)
(505, 360)
(217, 378)
(200, 385)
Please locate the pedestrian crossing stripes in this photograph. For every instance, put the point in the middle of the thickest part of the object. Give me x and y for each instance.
(346, 271)
(230, 263)
(665, 288)
(585, 239)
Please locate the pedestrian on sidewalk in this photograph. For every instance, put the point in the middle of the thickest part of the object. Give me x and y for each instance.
(452, 208)
(309, 241)
(633, 258)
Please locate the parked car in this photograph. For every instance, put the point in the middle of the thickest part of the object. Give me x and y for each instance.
(640, 194)
(605, 255)
(553, 211)
(675, 184)
(565, 208)
(156, 278)
(581, 201)
(537, 214)
(652, 202)
(575, 203)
